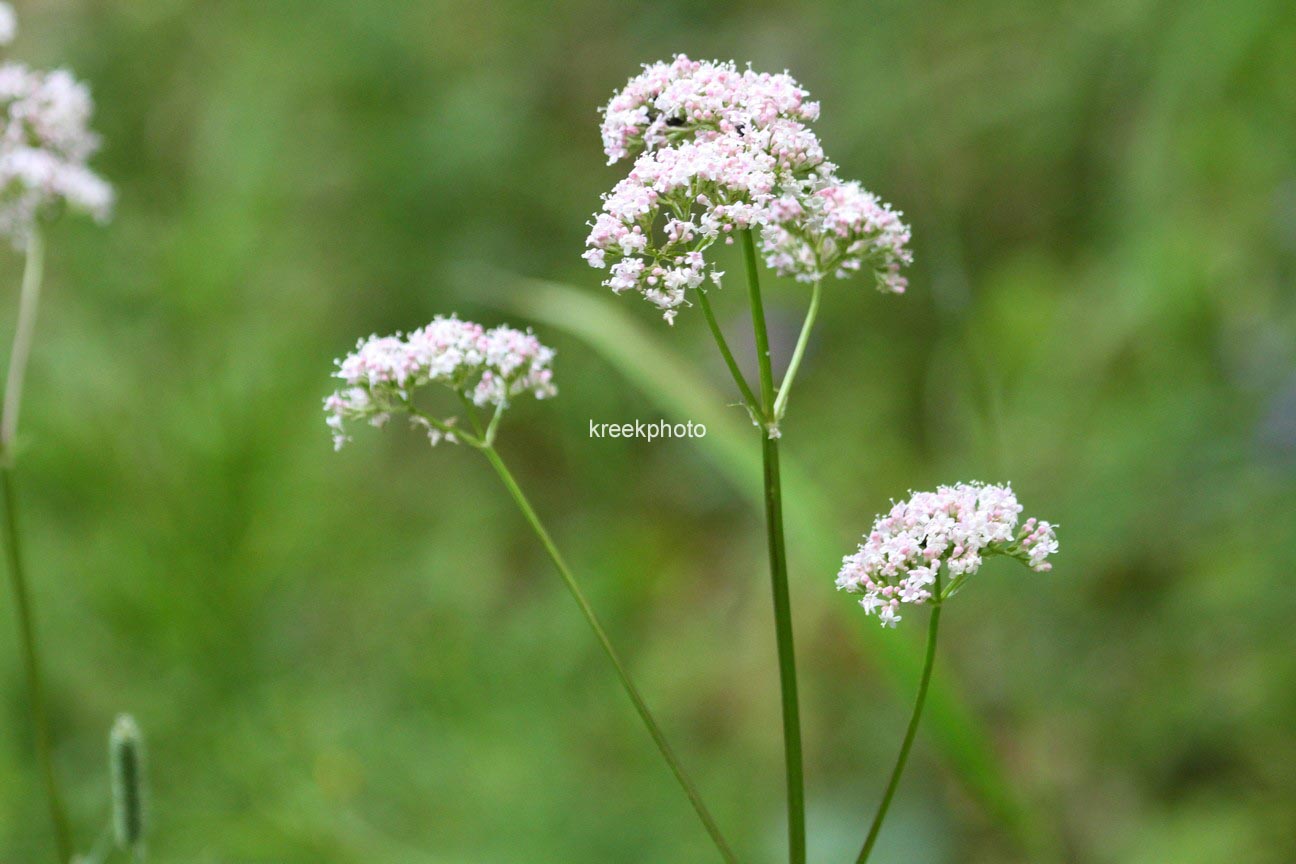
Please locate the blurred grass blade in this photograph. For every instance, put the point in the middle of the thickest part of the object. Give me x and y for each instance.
(732, 444)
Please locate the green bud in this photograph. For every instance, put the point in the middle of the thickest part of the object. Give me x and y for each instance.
(126, 763)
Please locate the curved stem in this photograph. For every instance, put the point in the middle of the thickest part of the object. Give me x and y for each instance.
(753, 404)
(795, 774)
(631, 690)
(24, 333)
(780, 402)
(932, 628)
(31, 660)
(489, 437)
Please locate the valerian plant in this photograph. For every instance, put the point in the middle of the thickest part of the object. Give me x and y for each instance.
(485, 370)
(921, 553)
(721, 152)
(724, 152)
(719, 155)
(45, 145)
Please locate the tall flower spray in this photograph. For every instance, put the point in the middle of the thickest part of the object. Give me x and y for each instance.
(722, 153)
(719, 156)
(45, 143)
(920, 554)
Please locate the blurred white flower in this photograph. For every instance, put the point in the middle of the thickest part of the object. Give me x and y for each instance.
(45, 142)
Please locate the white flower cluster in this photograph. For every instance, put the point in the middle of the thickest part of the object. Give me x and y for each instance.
(489, 367)
(956, 527)
(722, 150)
(45, 143)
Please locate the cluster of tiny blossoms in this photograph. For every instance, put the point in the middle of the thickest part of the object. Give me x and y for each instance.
(956, 527)
(489, 367)
(721, 150)
(45, 143)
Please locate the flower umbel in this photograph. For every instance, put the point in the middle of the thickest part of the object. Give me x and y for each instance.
(45, 143)
(955, 527)
(720, 151)
(485, 367)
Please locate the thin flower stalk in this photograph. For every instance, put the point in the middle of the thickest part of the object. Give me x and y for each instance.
(750, 400)
(32, 667)
(905, 559)
(893, 782)
(632, 691)
(786, 645)
(24, 336)
(484, 369)
(785, 389)
(45, 145)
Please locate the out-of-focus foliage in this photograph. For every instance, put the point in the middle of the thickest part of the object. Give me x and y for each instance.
(364, 657)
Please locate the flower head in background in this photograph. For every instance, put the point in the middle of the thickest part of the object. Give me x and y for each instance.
(721, 150)
(486, 367)
(45, 143)
(955, 527)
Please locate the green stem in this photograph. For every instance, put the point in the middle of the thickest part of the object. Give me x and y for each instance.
(758, 322)
(31, 659)
(932, 629)
(631, 690)
(780, 403)
(786, 654)
(778, 571)
(24, 334)
(753, 404)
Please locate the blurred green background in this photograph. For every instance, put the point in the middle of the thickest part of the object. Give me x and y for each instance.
(365, 657)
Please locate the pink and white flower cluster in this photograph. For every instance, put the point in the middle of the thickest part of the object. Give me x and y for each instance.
(668, 102)
(45, 143)
(955, 527)
(839, 228)
(722, 150)
(489, 367)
